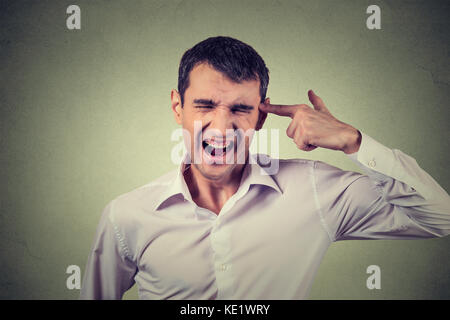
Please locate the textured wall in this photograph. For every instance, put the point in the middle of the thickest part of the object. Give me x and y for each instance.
(85, 116)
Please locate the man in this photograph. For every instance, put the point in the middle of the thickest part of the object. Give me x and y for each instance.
(219, 228)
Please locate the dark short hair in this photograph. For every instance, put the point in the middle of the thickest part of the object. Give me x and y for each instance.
(235, 59)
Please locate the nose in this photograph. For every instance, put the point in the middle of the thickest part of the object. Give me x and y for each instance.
(222, 121)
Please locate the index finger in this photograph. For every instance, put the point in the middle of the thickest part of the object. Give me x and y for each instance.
(278, 109)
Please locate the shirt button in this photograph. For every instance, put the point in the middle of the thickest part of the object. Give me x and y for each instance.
(223, 267)
(372, 163)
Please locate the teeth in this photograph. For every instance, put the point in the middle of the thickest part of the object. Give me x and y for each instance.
(217, 144)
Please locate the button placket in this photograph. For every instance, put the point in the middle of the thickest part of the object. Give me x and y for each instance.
(220, 243)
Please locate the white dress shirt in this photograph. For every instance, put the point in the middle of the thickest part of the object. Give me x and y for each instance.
(269, 238)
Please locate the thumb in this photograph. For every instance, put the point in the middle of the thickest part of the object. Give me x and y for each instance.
(317, 102)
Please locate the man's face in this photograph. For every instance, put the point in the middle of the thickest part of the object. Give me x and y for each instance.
(216, 112)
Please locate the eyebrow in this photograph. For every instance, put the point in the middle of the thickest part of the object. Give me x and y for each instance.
(210, 102)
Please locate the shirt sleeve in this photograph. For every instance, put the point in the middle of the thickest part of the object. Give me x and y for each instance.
(110, 269)
(394, 199)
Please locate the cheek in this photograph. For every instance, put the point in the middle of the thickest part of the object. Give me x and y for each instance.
(191, 117)
(247, 122)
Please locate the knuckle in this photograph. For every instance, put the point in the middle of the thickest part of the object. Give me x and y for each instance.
(298, 110)
(305, 108)
(308, 126)
(298, 117)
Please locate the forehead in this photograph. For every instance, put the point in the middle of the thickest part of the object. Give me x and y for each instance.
(206, 82)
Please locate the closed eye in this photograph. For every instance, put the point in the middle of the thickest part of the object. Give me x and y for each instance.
(235, 110)
(238, 108)
(204, 107)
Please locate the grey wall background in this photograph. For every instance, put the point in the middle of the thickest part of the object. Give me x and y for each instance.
(85, 116)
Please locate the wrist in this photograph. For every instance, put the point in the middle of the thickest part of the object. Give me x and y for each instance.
(353, 141)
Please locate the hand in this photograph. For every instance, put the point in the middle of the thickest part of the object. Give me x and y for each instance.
(311, 128)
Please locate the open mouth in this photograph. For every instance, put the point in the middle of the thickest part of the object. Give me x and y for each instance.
(217, 147)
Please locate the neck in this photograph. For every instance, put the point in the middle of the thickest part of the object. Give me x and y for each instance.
(212, 194)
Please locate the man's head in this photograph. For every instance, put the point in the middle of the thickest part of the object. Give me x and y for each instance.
(235, 59)
(221, 83)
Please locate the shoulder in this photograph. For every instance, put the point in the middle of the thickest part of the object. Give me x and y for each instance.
(140, 201)
(299, 169)
(282, 168)
(275, 165)
(328, 172)
(285, 172)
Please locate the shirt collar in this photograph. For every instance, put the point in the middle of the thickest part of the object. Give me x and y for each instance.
(254, 174)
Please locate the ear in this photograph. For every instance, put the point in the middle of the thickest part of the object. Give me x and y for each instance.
(176, 106)
(261, 116)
